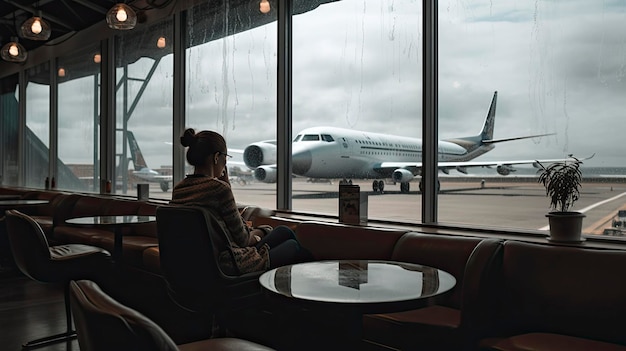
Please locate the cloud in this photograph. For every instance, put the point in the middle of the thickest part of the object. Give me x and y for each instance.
(559, 67)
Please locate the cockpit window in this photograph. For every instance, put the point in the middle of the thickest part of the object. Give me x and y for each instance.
(297, 138)
(327, 138)
(311, 137)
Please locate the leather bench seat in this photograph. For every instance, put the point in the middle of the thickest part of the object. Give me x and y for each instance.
(546, 341)
(438, 326)
(327, 241)
(133, 247)
(552, 297)
(80, 235)
(151, 259)
(136, 238)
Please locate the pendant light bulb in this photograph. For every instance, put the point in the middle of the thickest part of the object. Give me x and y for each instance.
(264, 6)
(35, 28)
(122, 17)
(161, 43)
(13, 51)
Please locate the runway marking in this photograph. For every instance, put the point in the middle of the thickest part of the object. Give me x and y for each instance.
(592, 207)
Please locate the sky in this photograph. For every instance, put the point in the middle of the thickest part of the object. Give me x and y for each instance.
(558, 66)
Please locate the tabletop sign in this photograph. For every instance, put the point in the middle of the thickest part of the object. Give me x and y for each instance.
(352, 205)
(143, 192)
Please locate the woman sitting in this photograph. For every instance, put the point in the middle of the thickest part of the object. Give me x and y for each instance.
(251, 249)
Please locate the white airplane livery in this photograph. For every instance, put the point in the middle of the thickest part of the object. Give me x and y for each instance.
(329, 152)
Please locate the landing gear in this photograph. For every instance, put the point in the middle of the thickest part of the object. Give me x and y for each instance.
(164, 186)
(378, 185)
(405, 187)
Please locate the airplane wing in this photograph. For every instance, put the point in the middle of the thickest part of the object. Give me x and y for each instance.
(385, 167)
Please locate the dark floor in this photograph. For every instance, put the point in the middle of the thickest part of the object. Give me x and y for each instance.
(30, 310)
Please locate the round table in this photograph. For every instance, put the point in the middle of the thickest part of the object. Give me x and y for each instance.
(115, 222)
(351, 288)
(372, 286)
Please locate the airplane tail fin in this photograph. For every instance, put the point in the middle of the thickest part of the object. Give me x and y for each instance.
(487, 132)
(138, 161)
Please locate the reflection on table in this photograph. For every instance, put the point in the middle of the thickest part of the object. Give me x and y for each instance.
(371, 286)
(110, 220)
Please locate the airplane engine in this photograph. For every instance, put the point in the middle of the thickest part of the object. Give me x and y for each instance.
(258, 154)
(402, 175)
(505, 169)
(265, 174)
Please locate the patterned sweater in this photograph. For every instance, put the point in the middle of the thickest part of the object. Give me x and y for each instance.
(217, 196)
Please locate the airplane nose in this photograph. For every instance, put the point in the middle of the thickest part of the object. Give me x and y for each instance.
(301, 162)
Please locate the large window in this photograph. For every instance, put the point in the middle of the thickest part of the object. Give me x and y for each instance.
(144, 98)
(356, 101)
(78, 77)
(9, 126)
(37, 145)
(231, 84)
(558, 68)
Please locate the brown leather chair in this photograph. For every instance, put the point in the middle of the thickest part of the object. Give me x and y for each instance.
(190, 239)
(104, 324)
(52, 264)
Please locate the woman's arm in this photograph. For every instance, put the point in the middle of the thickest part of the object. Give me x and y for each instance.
(240, 233)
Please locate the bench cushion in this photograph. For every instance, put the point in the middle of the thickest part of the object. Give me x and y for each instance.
(547, 342)
(559, 290)
(327, 241)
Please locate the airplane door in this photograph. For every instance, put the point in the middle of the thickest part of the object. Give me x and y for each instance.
(345, 147)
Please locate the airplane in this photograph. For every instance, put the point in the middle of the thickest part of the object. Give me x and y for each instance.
(142, 171)
(329, 152)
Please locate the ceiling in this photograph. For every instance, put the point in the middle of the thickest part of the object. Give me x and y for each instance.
(67, 17)
(64, 16)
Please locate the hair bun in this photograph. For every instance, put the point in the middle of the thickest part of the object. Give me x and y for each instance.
(189, 138)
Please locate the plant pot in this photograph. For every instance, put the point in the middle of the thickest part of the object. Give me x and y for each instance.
(566, 226)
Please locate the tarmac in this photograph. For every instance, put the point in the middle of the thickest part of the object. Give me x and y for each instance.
(495, 204)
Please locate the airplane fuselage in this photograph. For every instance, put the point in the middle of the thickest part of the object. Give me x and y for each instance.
(327, 152)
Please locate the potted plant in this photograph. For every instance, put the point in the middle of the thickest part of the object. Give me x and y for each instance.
(562, 181)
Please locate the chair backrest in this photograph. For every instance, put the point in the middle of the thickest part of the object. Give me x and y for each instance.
(190, 239)
(28, 244)
(569, 290)
(445, 252)
(102, 323)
